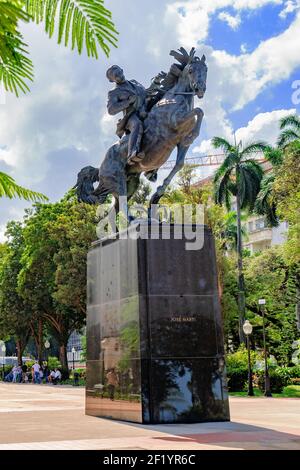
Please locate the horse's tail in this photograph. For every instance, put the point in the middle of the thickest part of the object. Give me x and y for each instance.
(85, 184)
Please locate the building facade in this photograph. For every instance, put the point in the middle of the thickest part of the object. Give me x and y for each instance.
(259, 236)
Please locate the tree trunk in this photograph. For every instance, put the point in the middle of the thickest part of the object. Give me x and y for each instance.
(63, 359)
(38, 338)
(241, 282)
(20, 349)
(40, 341)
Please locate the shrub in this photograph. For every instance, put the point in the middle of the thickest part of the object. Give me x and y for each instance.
(53, 363)
(237, 369)
(81, 382)
(7, 369)
(80, 371)
(294, 372)
(29, 364)
(237, 379)
(279, 378)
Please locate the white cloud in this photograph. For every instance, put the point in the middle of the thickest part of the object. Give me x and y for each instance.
(58, 113)
(2, 236)
(108, 123)
(264, 127)
(289, 7)
(232, 21)
(62, 123)
(248, 74)
(192, 17)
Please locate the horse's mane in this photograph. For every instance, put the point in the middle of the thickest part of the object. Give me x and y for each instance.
(184, 58)
(169, 80)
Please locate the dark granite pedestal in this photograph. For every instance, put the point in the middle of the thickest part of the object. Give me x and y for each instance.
(154, 332)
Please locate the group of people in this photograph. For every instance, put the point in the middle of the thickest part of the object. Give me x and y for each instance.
(36, 375)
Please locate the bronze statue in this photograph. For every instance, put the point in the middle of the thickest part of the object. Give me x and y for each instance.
(170, 120)
(128, 96)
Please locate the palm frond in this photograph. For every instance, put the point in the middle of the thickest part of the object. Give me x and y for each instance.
(286, 137)
(274, 156)
(80, 22)
(264, 204)
(222, 191)
(223, 144)
(9, 188)
(15, 66)
(254, 147)
(251, 175)
(255, 166)
(230, 229)
(292, 121)
(229, 163)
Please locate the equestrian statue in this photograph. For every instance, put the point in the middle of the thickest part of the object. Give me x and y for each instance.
(155, 121)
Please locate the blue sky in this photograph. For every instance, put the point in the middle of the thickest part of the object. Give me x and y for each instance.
(252, 50)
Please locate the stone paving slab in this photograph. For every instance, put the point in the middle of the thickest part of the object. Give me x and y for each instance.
(48, 417)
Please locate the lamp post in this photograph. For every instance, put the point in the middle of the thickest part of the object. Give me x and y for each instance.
(47, 346)
(73, 352)
(247, 329)
(3, 349)
(268, 393)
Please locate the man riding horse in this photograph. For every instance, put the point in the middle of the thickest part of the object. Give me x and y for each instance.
(155, 122)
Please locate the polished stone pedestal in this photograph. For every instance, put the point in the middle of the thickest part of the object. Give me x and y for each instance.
(154, 331)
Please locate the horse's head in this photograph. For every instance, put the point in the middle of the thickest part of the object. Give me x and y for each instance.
(197, 74)
(193, 69)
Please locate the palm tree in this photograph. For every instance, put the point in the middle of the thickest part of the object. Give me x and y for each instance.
(9, 188)
(264, 204)
(77, 22)
(239, 175)
(229, 233)
(290, 127)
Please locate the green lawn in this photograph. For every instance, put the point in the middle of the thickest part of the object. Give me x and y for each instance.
(291, 391)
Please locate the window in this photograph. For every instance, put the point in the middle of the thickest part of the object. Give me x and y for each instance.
(259, 224)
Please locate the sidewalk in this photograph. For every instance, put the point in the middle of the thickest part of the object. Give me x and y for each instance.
(40, 417)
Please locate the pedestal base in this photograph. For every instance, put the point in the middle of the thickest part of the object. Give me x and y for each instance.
(154, 337)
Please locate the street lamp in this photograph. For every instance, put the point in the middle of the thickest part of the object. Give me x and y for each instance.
(73, 352)
(3, 349)
(247, 329)
(47, 346)
(268, 393)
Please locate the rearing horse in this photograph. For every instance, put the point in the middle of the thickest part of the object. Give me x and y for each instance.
(172, 122)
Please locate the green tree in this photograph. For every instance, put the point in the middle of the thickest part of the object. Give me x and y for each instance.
(229, 234)
(268, 276)
(53, 275)
(73, 233)
(15, 313)
(239, 176)
(186, 177)
(290, 130)
(286, 194)
(81, 23)
(141, 196)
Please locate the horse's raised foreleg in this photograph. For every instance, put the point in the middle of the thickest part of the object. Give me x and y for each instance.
(181, 153)
(186, 121)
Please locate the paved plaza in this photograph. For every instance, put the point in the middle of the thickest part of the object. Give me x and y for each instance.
(49, 417)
